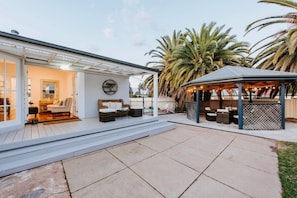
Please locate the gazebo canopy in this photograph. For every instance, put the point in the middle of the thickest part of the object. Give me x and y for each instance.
(229, 76)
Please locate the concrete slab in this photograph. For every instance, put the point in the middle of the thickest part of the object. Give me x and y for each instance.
(122, 184)
(44, 181)
(157, 143)
(131, 153)
(265, 163)
(265, 149)
(194, 158)
(167, 176)
(212, 145)
(87, 169)
(245, 179)
(181, 133)
(210, 188)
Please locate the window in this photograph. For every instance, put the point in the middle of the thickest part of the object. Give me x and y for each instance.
(8, 97)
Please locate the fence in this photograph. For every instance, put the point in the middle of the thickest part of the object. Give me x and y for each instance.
(164, 104)
(291, 108)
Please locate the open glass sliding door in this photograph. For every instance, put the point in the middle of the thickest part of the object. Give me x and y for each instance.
(8, 89)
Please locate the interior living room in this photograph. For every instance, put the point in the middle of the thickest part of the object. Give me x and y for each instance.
(50, 94)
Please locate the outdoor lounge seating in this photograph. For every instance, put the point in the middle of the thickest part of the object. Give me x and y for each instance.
(116, 105)
(106, 115)
(235, 119)
(224, 116)
(210, 114)
(63, 107)
(135, 111)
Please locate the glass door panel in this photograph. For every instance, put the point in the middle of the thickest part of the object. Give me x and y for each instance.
(8, 99)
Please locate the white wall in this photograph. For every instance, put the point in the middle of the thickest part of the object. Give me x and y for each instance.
(93, 91)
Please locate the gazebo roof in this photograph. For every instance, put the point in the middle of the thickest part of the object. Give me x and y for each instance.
(229, 75)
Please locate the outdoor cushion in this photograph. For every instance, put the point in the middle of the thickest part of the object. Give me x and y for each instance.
(207, 108)
(223, 110)
(211, 114)
(137, 107)
(107, 110)
(105, 104)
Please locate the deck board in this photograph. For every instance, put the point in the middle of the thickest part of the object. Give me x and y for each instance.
(35, 131)
(19, 135)
(3, 137)
(42, 130)
(27, 132)
(10, 137)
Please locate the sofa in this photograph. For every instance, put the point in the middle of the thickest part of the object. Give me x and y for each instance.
(113, 105)
(63, 107)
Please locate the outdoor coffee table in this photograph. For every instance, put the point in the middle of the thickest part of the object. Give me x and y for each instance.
(135, 112)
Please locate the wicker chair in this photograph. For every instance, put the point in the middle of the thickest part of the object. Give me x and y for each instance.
(224, 116)
(210, 114)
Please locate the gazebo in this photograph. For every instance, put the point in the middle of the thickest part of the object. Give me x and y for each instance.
(253, 113)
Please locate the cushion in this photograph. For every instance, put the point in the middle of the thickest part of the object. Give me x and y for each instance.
(56, 102)
(112, 105)
(107, 110)
(118, 105)
(207, 108)
(105, 104)
(211, 114)
(137, 107)
(223, 110)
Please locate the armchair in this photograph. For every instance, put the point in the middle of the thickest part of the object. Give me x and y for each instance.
(210, 114)
(64, 108)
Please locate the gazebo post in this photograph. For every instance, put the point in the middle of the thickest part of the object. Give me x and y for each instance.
(240, 107)
(282, 101)
(220, 98)
(197, 105)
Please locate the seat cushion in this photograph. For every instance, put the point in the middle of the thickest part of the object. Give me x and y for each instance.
(107, 110)
(211, 114)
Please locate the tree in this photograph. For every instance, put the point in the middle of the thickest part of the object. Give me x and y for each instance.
(278, 50)
(199, 54)
(164, 55)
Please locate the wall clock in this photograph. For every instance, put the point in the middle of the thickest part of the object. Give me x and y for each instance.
(110, 87)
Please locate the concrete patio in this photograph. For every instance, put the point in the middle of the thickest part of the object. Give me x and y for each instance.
(189, 161)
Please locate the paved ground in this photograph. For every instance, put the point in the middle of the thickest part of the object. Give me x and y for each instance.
(287, 134)
(186, 162)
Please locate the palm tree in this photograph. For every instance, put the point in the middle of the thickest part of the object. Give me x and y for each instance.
(164, 54)
(208, 51)
(196, 55)
(280, 53)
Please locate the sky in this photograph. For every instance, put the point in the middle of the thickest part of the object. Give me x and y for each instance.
(127, 29)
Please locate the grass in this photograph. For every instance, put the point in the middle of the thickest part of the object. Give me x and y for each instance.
(287, 159)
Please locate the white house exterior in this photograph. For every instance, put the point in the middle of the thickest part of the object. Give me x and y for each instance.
(25, 63)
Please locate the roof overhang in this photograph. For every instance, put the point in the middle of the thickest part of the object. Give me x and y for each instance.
(39, 53)
(230, 76)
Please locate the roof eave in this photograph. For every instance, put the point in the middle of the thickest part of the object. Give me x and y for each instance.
(71, 50)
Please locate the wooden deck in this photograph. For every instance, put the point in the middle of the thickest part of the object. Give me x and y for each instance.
(40, 131)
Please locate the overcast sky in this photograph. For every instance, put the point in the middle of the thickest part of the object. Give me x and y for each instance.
(127, 29)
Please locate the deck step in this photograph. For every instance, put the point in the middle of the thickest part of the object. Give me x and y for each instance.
(29, 156)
